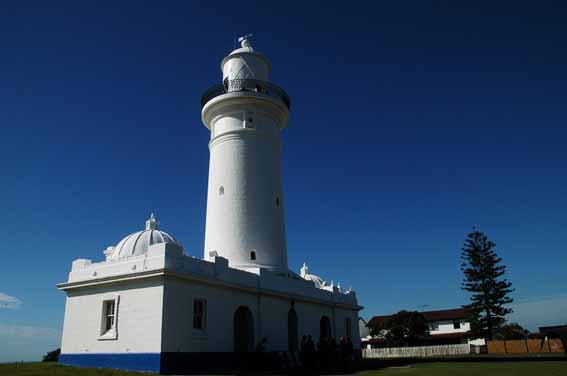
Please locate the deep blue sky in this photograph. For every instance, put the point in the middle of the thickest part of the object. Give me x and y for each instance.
(412, 121)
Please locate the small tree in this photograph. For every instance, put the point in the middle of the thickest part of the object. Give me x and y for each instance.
(52, 356)
(511, 331)
(484, 279)
(404, 329)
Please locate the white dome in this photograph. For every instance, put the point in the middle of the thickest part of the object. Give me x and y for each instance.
(317, 281)
(137, 243)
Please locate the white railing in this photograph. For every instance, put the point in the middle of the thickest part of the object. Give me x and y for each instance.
(413, 352)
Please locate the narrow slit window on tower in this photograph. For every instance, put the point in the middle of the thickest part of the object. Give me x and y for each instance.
(221, 190)
(253, 255)
(277, 201)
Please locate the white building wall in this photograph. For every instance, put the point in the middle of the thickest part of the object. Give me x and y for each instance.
(138, 321)
(340, 317)
(178, 332)
(155, 313)
(273, 322)
(445, 327)
(270, 318)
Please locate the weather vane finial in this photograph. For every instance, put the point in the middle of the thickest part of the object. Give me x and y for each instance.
(245, 40)
(152, 223)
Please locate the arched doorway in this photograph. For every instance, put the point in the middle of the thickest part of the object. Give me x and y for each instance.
(292, 335)
(243, 330)
(325, 328)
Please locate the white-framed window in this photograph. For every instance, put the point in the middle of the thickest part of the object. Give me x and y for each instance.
(109, 319)
(109, 315)
(199, 314)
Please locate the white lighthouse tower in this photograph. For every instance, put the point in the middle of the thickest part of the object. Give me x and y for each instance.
(245, 211)
(131, 310)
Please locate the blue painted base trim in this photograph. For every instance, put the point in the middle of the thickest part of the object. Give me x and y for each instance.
(176, 362)
(127, 361)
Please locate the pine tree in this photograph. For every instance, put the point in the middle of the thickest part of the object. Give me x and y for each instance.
(484, 279)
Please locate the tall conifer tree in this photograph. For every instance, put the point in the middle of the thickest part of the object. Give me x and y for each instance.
(484, 279)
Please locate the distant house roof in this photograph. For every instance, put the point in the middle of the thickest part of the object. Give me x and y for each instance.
(430, 316)
(554, 331)
(363, 328)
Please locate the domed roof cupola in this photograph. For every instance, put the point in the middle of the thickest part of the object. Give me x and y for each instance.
(138, 243)
(317, 281)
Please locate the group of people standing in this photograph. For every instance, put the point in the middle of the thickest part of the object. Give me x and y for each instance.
(328, 353)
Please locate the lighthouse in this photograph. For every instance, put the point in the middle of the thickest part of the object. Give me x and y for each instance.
(245, 205)
(151, 305)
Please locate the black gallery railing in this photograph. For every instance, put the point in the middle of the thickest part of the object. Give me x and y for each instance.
(255, 86)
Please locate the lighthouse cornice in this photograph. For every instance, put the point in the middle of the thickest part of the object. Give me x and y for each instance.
(239, 101)
(238, 134)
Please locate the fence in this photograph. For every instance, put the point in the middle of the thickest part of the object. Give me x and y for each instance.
(524, 346)
(414, 352)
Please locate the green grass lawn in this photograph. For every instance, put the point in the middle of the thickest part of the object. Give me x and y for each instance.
(541, 368)
(49, 369)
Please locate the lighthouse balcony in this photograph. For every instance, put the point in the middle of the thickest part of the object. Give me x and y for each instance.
(258, 87)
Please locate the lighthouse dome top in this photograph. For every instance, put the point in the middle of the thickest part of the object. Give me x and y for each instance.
(137, 243)
(245, 63)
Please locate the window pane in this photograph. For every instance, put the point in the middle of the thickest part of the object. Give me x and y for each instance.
(109, 307)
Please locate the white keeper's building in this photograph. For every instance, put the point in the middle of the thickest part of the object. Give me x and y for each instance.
(152, 306)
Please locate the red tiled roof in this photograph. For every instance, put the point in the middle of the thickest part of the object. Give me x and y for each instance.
(440, 315)
(448, 314)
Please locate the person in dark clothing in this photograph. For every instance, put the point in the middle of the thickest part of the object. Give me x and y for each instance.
(261, 347)
(342, 346)
(349, 348)
(302, 350)
(309, 352)
(342, 352)
(262, 359)
(332, 352)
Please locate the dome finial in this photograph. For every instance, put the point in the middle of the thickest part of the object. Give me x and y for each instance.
(304, 270)
(245, 41)
(152, 223)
